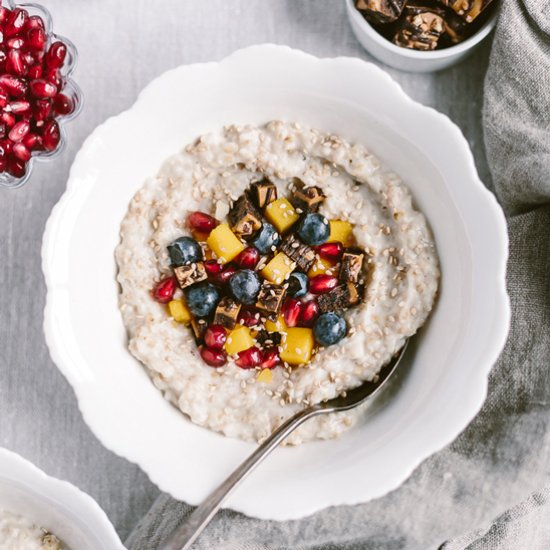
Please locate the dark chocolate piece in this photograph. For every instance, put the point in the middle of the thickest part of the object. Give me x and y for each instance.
(340, 298)
(306, 198)
(199, 327)
(420, 28)
(188, 275)
(467, 9)
(227, 312)
(300, 253)
(263, 192)
(455, 27)
(380, 11)
(268, 339)
(350, 268)
(243, 217)
(270, 299)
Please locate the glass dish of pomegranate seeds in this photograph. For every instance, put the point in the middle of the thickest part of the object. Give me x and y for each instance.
(37, 94)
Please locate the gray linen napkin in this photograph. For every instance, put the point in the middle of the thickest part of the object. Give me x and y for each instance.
(504, 454)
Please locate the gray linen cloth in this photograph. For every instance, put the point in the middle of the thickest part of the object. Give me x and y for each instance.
(504, 454)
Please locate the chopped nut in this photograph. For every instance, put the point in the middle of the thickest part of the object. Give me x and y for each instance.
(419, 29)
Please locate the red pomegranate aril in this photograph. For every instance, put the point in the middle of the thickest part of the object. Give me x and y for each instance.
(248, 258)
(3, 164)
(36, 39)
(63, 104)
(35, 22)
(19, 107)
(249, 358)
(3, 97)
(6, 146)
(330, 251)
(2, 130)
(21, 152)
(215, 336)
(322, 283)
(53, 76)
(308, 313)
(35, 71)
(249, 317)
(291, 312)
(15, 86)
(270, 358)
(15, 43)
(32, 142)
(164, 290)
(213, 357)
(16, 167)
(16, 63)
(199, 221)
(212, 267)
(42, 88)
(226, 274)
(8, 119)
(51, 135)
(4, 14)
(15, 22)
(19, 131)
(55, 56)
(42, 109)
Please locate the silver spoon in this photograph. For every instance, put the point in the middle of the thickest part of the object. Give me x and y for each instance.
(183, 536)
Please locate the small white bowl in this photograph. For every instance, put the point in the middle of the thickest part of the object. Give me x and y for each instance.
(56, 505)
(413, 60)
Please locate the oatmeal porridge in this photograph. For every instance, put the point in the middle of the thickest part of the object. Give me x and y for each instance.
(18, 533)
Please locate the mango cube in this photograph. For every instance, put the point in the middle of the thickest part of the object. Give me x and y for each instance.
(341, 231)
(278, 268)
(265, 376)
(276, 326)
(281, 214)
(179, 312)
(224, 243)
(238, 340)
(297, 346)
(320, 267)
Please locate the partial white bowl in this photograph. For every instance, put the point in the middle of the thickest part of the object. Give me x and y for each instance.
(413, 60)
(438, 395)
(60, 507)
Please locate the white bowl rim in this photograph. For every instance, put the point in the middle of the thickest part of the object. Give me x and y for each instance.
(491, 354)
(408, 53)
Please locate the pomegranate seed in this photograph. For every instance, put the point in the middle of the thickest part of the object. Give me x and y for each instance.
(3, 97)
(249, 317)
(55, 56)
(35, 22)
(16, 167)
(248, 258)
(291, 312)
(215, 336)
(330, 251)
(21, 152)
(15, 86)
(226, 274)
(212, 267)
(42, 109)
(270, 358)
(4, 14)
(42, 88)
(164, 290)
(53, 76)
(201, 222)
(15, 43)
(35, 71)
(213, 357)
(63, 104)
(308, 313)
(249, 358)
(19, 131)
(322, 283)
(2, 130)
(36, 39)
(15, 22)
(33, 142)
(3, 165)
(16, 63)
(19, 107)
(6, 146)
(8, 119)
(51, 135)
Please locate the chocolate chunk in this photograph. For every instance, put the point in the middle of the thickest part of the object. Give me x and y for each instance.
(467, 9)
(455, 27)
(302, 254)
(306, 198)
(227, 312)
(270, 299)
(243, 217)
(380, 11)
(263, 192)
(340, 298)
(350, 268)
(268, 339)
(420, 28)
(188, 275)
(199, 327)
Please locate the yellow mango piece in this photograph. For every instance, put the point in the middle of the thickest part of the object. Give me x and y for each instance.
(341, 231)
(238, 340)
(179, 312)
(281, 214)
(224, 243)
(320, 267)
(276, 326)
(297, 346)
(278, 268)
(265, 376)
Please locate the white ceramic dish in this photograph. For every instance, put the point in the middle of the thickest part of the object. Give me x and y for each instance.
(54, 504)
(412, 60)
(438, 395)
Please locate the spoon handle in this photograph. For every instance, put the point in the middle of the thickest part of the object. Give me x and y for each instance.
(183, 536)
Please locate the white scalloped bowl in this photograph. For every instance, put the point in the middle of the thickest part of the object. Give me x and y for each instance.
(436, 396)
(60, 507)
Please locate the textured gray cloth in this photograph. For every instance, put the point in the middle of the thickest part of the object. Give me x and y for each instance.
(503, 455)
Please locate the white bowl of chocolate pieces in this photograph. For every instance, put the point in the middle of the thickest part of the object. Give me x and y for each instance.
(421, 35)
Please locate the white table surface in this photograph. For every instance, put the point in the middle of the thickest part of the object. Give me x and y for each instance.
(123, 45)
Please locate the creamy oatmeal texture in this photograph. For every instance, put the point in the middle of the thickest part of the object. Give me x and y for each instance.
(18, 533)
(402, 273)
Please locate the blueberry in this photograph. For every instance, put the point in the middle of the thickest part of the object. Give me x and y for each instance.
(297, 284)
(184, 250)
(329, 328)
(202, 298)
(266, 237)
(313, 229)
(245, 286)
